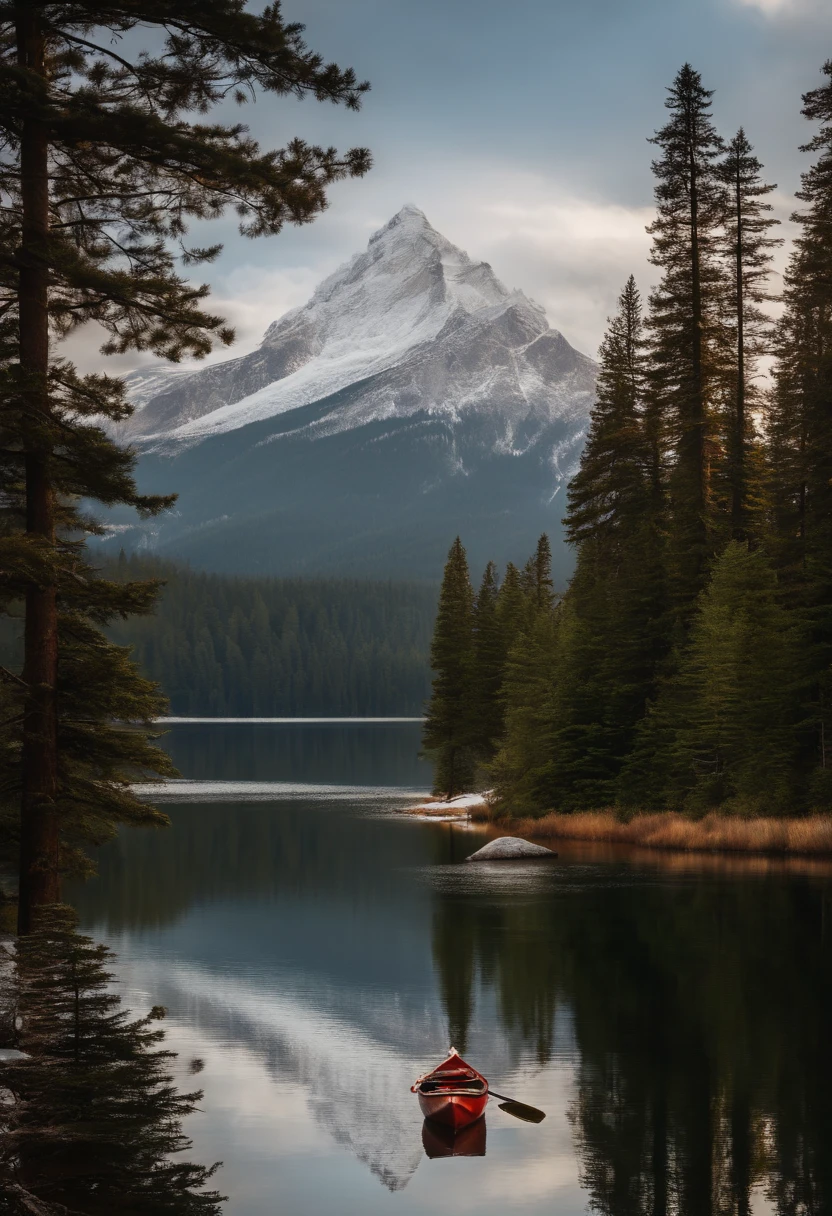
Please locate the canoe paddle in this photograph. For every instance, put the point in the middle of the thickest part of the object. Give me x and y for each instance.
(519, 1109)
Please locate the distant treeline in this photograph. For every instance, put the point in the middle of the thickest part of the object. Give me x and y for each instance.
(272, 647)
(275, 647)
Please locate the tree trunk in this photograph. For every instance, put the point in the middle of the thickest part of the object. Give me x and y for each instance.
(39, 836)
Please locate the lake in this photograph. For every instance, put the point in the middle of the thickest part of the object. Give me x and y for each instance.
(317, 950)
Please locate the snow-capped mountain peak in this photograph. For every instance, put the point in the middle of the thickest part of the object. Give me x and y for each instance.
(411, 288)
(412, 397)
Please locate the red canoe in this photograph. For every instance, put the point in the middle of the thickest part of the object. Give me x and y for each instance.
(454, 1093)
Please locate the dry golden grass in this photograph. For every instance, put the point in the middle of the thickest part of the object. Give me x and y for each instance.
(668, 830)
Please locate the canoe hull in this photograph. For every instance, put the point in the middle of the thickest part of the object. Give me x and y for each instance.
(453, 1110)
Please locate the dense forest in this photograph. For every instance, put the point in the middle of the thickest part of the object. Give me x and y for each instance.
(270, 647)
(282, 647)
(688, 664)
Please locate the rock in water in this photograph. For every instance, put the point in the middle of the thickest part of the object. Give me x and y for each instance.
(511, 848)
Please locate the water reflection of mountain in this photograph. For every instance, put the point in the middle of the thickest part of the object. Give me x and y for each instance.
(338, 948)
(302, 933)
(352, 1069)
(701, 1019)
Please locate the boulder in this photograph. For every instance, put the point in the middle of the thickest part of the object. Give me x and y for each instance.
(511, 848)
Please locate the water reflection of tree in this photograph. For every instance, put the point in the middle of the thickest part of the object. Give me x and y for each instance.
(221, 850)
(502, 946)
(91, 1122)
(701, 1013)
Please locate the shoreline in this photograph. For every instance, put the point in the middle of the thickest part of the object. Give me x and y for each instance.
(667, 831)
(671, 831)
(463, 807)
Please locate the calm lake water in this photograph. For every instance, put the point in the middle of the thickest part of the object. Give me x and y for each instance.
(318, 950)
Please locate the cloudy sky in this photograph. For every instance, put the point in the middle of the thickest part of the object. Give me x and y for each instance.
(521, 131)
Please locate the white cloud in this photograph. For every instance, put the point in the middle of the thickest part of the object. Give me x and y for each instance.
(784, 8)
(768, 6)
(573, 255)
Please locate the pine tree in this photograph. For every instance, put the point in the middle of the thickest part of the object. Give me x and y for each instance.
(800, 427)
(448, 736)
(511, 606)
(612, 635)
(490, 654)
(95, 1124)
(522, 767)
(608, 493)
(734, 701)
(686, 340)
(104, 164)
(537, 577)
(523, 759)
(747, 249)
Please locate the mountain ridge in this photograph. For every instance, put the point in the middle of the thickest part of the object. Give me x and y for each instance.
(411, 367)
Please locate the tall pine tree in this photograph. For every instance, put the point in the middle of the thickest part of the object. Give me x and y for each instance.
(449, 736)
(607, 496)
(522, 767)
(685, 315)
(105, 160)
(613, 634)
(490, 653)
(800, 429)
(537, 577)
(747, 246)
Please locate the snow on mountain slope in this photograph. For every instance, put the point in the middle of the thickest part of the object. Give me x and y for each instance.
(413, 397)
(426, 327)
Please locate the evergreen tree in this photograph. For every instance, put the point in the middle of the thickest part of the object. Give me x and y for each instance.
(95, 1122)
(612, 632)
(522, 767)
(607, 496)
(523, 760)
(490, 654)
(511, 606)
(747, 248)
(686, 344)
(733, 704)
(105, 161)
(800, 426)
(537, 577)
(449, 732)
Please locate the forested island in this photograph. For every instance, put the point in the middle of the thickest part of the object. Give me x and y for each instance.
(687, 667)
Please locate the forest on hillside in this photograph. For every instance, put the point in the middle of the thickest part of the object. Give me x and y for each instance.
(271, 647)
(689, 664)
(221, 645)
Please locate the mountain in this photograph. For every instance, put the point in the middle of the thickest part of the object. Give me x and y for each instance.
(413, 397)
